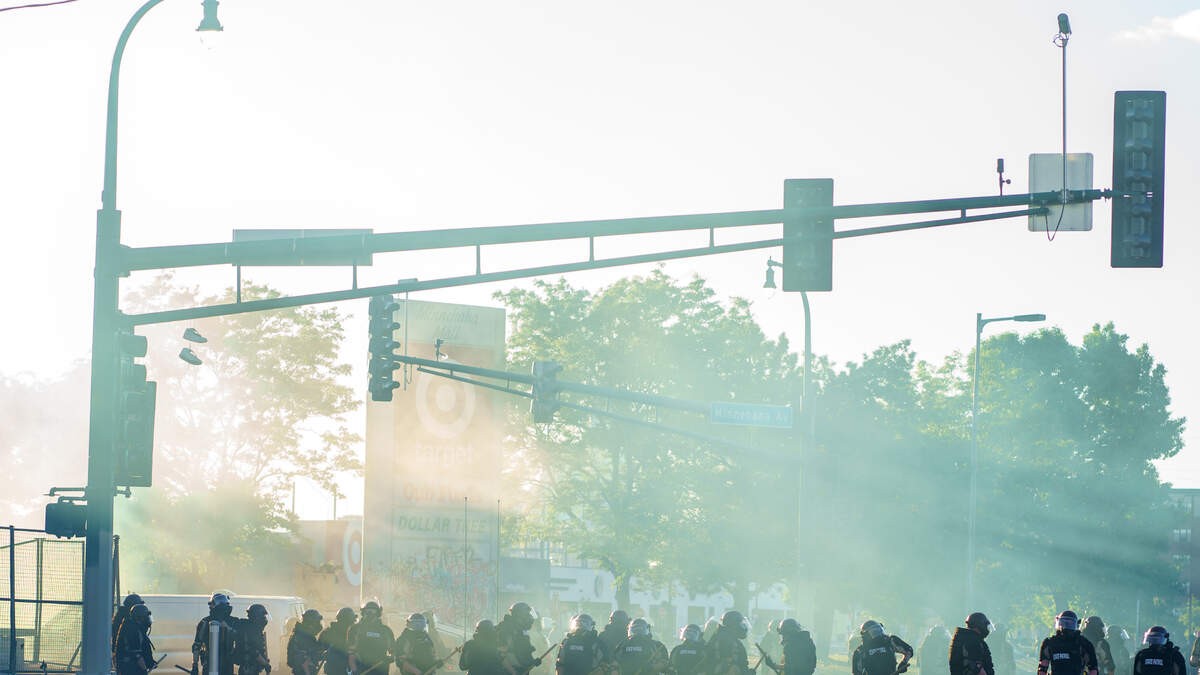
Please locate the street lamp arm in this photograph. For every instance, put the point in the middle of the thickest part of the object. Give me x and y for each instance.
(108, 198)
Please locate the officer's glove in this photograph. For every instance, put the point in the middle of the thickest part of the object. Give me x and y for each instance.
(537, 662)
(902, 668)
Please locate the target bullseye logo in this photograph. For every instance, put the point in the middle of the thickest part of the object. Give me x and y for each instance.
(444, 407)
(352, 551)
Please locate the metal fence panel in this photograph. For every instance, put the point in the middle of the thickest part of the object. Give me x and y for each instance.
(41, 601)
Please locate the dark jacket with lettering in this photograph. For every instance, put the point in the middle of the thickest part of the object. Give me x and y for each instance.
(134, 653)
(1066, 653)
(1159, 660)
(799, 654)
(335, 640)
(371, 643)
(303, 651)
(415, 651)
(878, 657)
(689, 658)
(641, 655)
(969, 654)
(580, 653)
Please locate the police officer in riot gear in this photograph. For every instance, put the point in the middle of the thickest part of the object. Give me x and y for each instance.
(639, 653)
(415, 653)
(688, 657)
(1159, 655)
(933, 649)
(219, 611)
(515, 644)
(1003, 654)
(1066, 652)
(481, 654)
(877, 653)
(122, 613)
(616, 630)
(1118, 645)
(969, 654)
(726, 653)
(251, 648)
(304, 652)
(335, 640)
(134, 653)
(798, 653)
(581, 651)
(371, 643)
(1093, 630)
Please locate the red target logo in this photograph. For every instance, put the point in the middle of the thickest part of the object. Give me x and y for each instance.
(352, 553)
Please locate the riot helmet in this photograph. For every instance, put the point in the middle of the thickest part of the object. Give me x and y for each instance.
(219, 607)
(311, 620)
(619, 618)
(523, 613)
(582, 623)
(1116, 633)
(870, 630)
(1093, 628)
(978, 622)
(1157, 635)
(141, 615)
(485, 628)
(372, 611)
(345, 614)
(733, 620)
(788, 626)
(417, 622)
(258, 614)
(639, 627)
(689, 632)
(1066, 621)
(132, 600)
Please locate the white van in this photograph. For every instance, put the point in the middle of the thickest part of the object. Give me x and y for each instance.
(176, 616)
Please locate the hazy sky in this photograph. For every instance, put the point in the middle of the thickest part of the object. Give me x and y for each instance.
(415, 115)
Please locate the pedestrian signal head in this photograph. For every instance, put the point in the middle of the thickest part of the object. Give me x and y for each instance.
(582, 623)
(690, 632)
(788, 626)
(871, 630)
(639, 627)
(1157, 635)
(1066, 620)
(417, 622)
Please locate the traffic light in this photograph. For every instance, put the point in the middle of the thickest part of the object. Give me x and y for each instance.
(65, 518)
(545, 391)
(808, 259)
(135, 414)
(381, 364)
(1139, 140)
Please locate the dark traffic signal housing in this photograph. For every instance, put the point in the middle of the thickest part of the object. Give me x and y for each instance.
(808, 253)
(135, 414)
(545, 391)
(1139, 143)
(66, 518)
(382, 347)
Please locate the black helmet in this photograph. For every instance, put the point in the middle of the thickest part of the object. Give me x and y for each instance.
(1093, 628)
(788, 626)
(690, 632)
(523, 613)
(372, 609)
(131, 600)
(346, 614)
(871, 630)
(619, 617)
(1116, 633)
(978, 621)
(140, 613)
(733, 620)
(1066, 620)
(640, 627)
(217, 600)
(310, 615)
(417, 622)
(582, 623)
(1157, 635)
(485, 627)
(258, 612)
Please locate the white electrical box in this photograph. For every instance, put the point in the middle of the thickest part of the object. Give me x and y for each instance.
(1046, 175)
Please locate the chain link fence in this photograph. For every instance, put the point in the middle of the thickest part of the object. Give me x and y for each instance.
(41, 601)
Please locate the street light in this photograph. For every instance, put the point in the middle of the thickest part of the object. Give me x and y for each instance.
(980, 322)
(96, 652)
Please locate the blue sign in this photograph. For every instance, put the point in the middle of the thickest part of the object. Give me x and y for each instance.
(751, 415)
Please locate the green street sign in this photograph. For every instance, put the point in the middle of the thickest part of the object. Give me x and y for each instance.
(751, 415)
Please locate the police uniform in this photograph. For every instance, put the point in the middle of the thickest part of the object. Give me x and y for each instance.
(1066, 653)
(1157, 660)
(641, 655)
(726, 653)
(688, 658)
(371, 644)
(415, 652)
(878, 655)
(798, 653)
(969, 654)
(581, 653)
